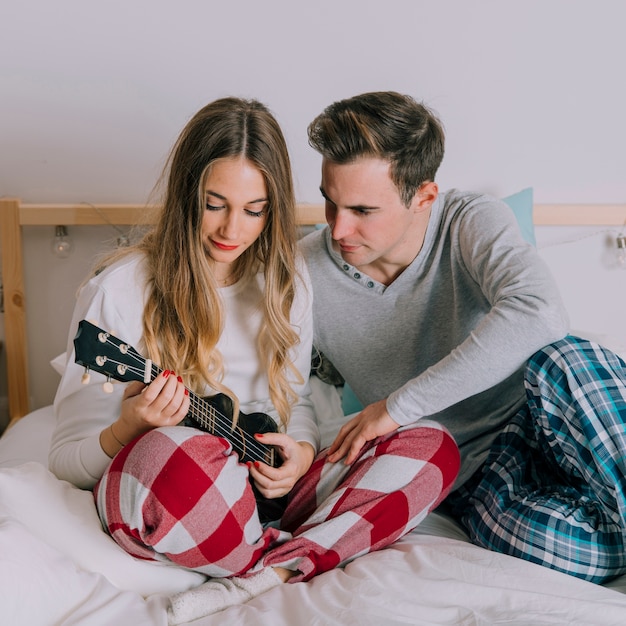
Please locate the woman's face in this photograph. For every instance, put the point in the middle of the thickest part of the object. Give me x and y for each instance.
(235, 214)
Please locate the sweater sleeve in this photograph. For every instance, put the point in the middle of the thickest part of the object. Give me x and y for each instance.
(83, 411)
(525, 314)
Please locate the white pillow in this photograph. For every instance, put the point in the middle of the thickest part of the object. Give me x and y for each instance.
(65, 518)
(28, 439)
(39, 585)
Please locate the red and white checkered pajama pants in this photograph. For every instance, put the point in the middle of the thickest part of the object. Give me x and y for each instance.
(180, 495)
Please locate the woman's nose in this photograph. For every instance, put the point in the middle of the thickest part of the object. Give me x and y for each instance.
(230, 226)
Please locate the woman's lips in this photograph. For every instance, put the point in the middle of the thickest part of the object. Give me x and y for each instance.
(223, 246)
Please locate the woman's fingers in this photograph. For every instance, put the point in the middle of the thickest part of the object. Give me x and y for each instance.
(164, 402)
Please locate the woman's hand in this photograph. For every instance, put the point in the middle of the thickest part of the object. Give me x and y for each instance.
(164, 402)
(373, 421)
(274, 482)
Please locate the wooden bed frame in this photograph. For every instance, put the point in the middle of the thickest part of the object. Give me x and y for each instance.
(14, 216)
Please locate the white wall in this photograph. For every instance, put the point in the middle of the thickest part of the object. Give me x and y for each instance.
(531, 92)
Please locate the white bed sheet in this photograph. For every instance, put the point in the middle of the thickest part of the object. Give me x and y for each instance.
(58, 567)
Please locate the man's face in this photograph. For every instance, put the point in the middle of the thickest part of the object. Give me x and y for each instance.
(371, 227)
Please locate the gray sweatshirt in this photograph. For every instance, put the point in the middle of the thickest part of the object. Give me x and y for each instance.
(448, 339)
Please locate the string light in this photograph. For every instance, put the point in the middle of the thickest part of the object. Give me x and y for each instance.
(621, 248)
(62, 245)
(123, 239)
(619, 242)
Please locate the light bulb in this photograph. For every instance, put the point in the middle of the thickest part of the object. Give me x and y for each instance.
(621, 251)
(62, 245)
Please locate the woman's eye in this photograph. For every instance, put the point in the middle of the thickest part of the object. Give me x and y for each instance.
(211, 207)
(255, 213)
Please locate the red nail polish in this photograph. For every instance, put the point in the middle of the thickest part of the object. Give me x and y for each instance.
(179, 379)
(166, 373)
(257, 464)
(186, 392)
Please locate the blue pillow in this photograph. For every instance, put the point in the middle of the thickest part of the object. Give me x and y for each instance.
(522, 205)
(349, 402)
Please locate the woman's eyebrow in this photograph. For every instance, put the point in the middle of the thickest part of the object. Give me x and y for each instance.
(208, 192)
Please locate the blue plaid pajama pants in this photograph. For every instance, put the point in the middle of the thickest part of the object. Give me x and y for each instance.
(553, 488)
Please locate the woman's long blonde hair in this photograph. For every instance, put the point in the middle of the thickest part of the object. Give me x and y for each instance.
(183, 317)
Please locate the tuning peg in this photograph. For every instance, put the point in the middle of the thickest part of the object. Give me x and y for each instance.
(108, 386)
(86, 377)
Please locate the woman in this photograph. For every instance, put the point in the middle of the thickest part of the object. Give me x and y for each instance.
(216, 295)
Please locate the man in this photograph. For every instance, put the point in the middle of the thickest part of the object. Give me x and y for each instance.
(431, 305)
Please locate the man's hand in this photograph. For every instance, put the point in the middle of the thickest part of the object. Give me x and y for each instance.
(373, 421)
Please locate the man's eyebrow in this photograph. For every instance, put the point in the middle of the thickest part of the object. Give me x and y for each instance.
(355, 207)
(325, 195)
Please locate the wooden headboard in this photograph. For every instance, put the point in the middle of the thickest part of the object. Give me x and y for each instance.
(14, 216)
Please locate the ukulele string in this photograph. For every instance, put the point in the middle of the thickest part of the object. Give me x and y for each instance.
(210, 417)
(209, 413)
(252, 445)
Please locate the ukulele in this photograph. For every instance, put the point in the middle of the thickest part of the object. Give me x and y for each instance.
(102, 352)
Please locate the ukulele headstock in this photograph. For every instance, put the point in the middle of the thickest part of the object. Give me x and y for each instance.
(99, 350)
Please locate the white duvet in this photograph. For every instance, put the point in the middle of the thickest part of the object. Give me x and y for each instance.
(58, 567)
